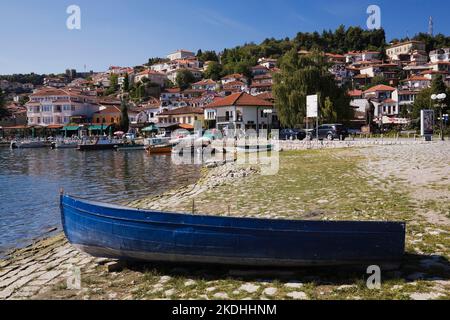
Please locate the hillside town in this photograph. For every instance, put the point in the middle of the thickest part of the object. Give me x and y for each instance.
(156, 97)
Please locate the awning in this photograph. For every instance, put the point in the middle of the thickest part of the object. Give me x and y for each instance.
(186, 126)
(16, 128)
(150, 128)
(104, 127)
(71, 128)
(55, 126)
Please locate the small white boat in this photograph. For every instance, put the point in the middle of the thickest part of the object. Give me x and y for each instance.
(157, 141)
(250, 148)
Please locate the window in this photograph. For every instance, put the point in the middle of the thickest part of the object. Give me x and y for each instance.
(46, 108)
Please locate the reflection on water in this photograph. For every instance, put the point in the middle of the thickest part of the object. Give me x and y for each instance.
(30, 181)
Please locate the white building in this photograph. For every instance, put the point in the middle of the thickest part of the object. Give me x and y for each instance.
(440, 55)
(172, 75)
(180, 54)
(240, 111)
(405, 48)
(153, 76)
(359, 56)
(51, 106)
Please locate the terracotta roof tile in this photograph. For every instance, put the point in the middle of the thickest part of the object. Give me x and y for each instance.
(380, 87)
(241, 99)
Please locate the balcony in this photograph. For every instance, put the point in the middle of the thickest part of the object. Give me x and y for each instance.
(228, 119)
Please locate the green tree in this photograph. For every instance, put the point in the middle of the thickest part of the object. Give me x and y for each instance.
(305, 75)
(156, 60)
(126, 83)
(184, 79)
(124, 121)
(423, 101)
(329, 114)
(114, 84)
(3, 111)
(214, 71)
(207, 56)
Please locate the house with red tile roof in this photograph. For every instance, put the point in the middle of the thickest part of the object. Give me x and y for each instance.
(112, 115)
(268, 63)
(184, 115)
(207, 84)
(357, 56)
(417, 82)
(53, 106)
(259, 70)
(234, 87)
(234, 77)
(241, 111)
(153, 76)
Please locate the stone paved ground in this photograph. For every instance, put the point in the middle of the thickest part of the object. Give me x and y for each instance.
(405, 182)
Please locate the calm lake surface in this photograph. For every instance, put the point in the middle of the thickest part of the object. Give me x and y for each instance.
(30, 181)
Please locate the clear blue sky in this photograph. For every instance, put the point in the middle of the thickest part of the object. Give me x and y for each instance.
(34, 37)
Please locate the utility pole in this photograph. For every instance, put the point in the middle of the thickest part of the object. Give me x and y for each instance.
(431, 27)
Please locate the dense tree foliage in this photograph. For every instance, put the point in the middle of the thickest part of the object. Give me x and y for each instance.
(241, 58)
(3, 111)
(143, 90)
(306, 75)
(424, 101)
(432, 42)
(156, 60)
(114, 84)
(126, 83)
(33, 78)
(124, 120)
(214, 71)
(184, 79)
(207, 56)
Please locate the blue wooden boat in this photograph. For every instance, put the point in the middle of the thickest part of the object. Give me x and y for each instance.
(110, 231)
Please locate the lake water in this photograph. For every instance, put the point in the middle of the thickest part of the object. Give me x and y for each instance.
(30, 180)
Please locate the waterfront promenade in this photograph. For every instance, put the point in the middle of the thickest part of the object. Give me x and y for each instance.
(383, 182)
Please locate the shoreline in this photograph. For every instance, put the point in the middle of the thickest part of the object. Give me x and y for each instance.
(34, 269)
(40, 271)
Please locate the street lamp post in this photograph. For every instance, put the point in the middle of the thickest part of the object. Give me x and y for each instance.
(269, 113)
(439, 99)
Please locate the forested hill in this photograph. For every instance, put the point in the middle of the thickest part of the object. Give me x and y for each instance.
(342, 40)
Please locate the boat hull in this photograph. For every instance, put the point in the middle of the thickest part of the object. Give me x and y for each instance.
(160, 150)
(96, 147)
(117, 232)
(131, 148)
(29, 145)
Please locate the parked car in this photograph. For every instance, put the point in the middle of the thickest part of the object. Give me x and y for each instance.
(329, 132)
(292, 134)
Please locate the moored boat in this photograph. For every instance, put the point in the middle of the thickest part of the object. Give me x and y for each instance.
(64, 145)
(130, 147)
(158, 145)
(250, 148)
(110, 231)
(28, 144)
(100, 144)
(159, 149)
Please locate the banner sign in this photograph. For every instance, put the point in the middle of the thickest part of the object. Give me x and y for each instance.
(426, 122)
(312, 106)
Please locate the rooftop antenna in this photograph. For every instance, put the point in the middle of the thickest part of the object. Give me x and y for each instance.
(431, 27)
